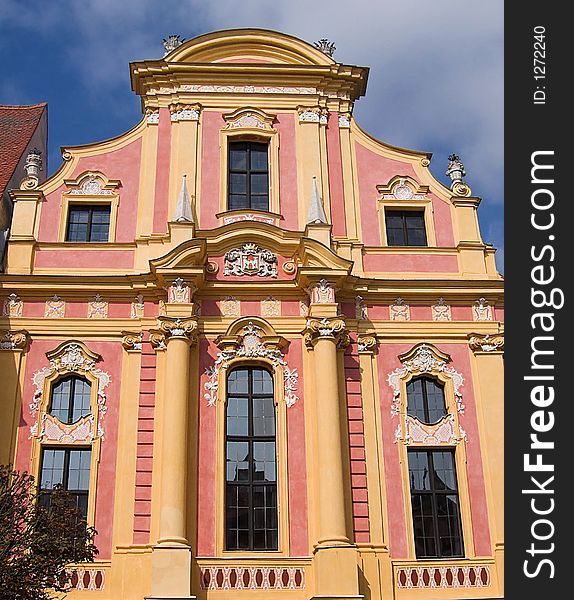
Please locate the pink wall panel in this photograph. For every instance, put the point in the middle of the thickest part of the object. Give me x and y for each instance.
(161, 201)
(399, 263)
(288, 200)
(335, 164)
(211, 123)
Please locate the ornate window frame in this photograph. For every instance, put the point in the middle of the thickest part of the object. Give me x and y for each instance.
(90, 188)
(251, 341)
(69, 358)
(250, 125)
(404, 193)
(425, 359)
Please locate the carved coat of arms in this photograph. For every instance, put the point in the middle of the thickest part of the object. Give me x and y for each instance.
(250, 259)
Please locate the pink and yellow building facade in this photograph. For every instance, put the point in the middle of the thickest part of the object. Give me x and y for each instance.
(261, 347)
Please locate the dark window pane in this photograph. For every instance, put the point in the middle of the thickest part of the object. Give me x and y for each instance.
(88, 223)
(405, 228)
(70, 399)
(248, 177)
(425, 400)
(251, 466)
(435, 505)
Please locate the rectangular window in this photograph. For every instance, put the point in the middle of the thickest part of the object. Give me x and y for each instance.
(88, 223)
(248, 180)
(70, 468)
(435, 504)
(405, 228)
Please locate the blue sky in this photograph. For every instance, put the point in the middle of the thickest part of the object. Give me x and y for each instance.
(435, 83)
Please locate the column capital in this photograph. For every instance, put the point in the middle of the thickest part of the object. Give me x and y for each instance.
(14, 339)
(491, 342)
(367, 343)
(333, 328)
(182, 328)
(132, 340)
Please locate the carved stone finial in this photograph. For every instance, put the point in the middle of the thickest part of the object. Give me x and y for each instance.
(456, 172)
(316, 212)
(325, 46)
(171, 43)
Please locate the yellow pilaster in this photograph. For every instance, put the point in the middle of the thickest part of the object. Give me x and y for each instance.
(335, 557)
(489, 376)
(171, 562)
(13, 345)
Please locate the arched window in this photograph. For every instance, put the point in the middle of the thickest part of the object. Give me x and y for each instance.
(70, 399)
(251, 464)
(425, 400)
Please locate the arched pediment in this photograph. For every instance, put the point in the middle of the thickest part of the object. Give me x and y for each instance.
(248, 46)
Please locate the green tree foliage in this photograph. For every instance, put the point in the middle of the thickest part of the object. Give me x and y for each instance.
(36, 543)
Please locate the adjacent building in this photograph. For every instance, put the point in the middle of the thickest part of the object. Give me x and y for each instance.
(262, 348)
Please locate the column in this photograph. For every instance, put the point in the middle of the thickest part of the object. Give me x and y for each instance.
(335, 556)
(171, 561)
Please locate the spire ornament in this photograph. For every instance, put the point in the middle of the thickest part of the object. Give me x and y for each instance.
(183, 210)
(316, 212)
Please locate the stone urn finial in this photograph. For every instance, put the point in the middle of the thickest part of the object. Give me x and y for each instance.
(33, 164)
(455, 169)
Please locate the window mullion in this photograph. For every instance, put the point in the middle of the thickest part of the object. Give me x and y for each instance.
(71, 399)
(66, 473)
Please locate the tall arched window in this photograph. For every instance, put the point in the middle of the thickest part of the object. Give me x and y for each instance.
(425, 400)
(251, 465)
(70, 400)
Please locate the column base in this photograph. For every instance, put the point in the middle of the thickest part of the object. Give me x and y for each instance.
(171, 573)
(336, 572)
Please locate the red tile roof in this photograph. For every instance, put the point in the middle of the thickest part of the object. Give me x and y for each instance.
(17, 126)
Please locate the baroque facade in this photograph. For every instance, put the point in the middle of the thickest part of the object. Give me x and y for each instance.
(260, 347)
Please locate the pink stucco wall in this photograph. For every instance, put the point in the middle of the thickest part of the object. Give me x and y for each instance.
(387, 362)
(111, 353)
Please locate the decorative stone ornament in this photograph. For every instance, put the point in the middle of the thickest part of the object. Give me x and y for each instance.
(251, 342)
(171, 43)
(132, 341)
(250, 260)
(137, 307)
(360, 309)
(12, 306)
(425, 359)
(179, 292)
(152, 117)
(183, 210)
(441, 311)
(249, 118)
(98, 308)
(367, 344)
(69, 357)
(270, 307)
(55, 308)
(32, 166)
(482, 311)
(322, 292)
(185, 113)
(178, 328)
(345, 121)
(400, 310)
(325, 46)
(230, 307)
(486, 343)
(333, 327)
(455, 169)
(313, 114)
(14, 339)
(316, 212)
